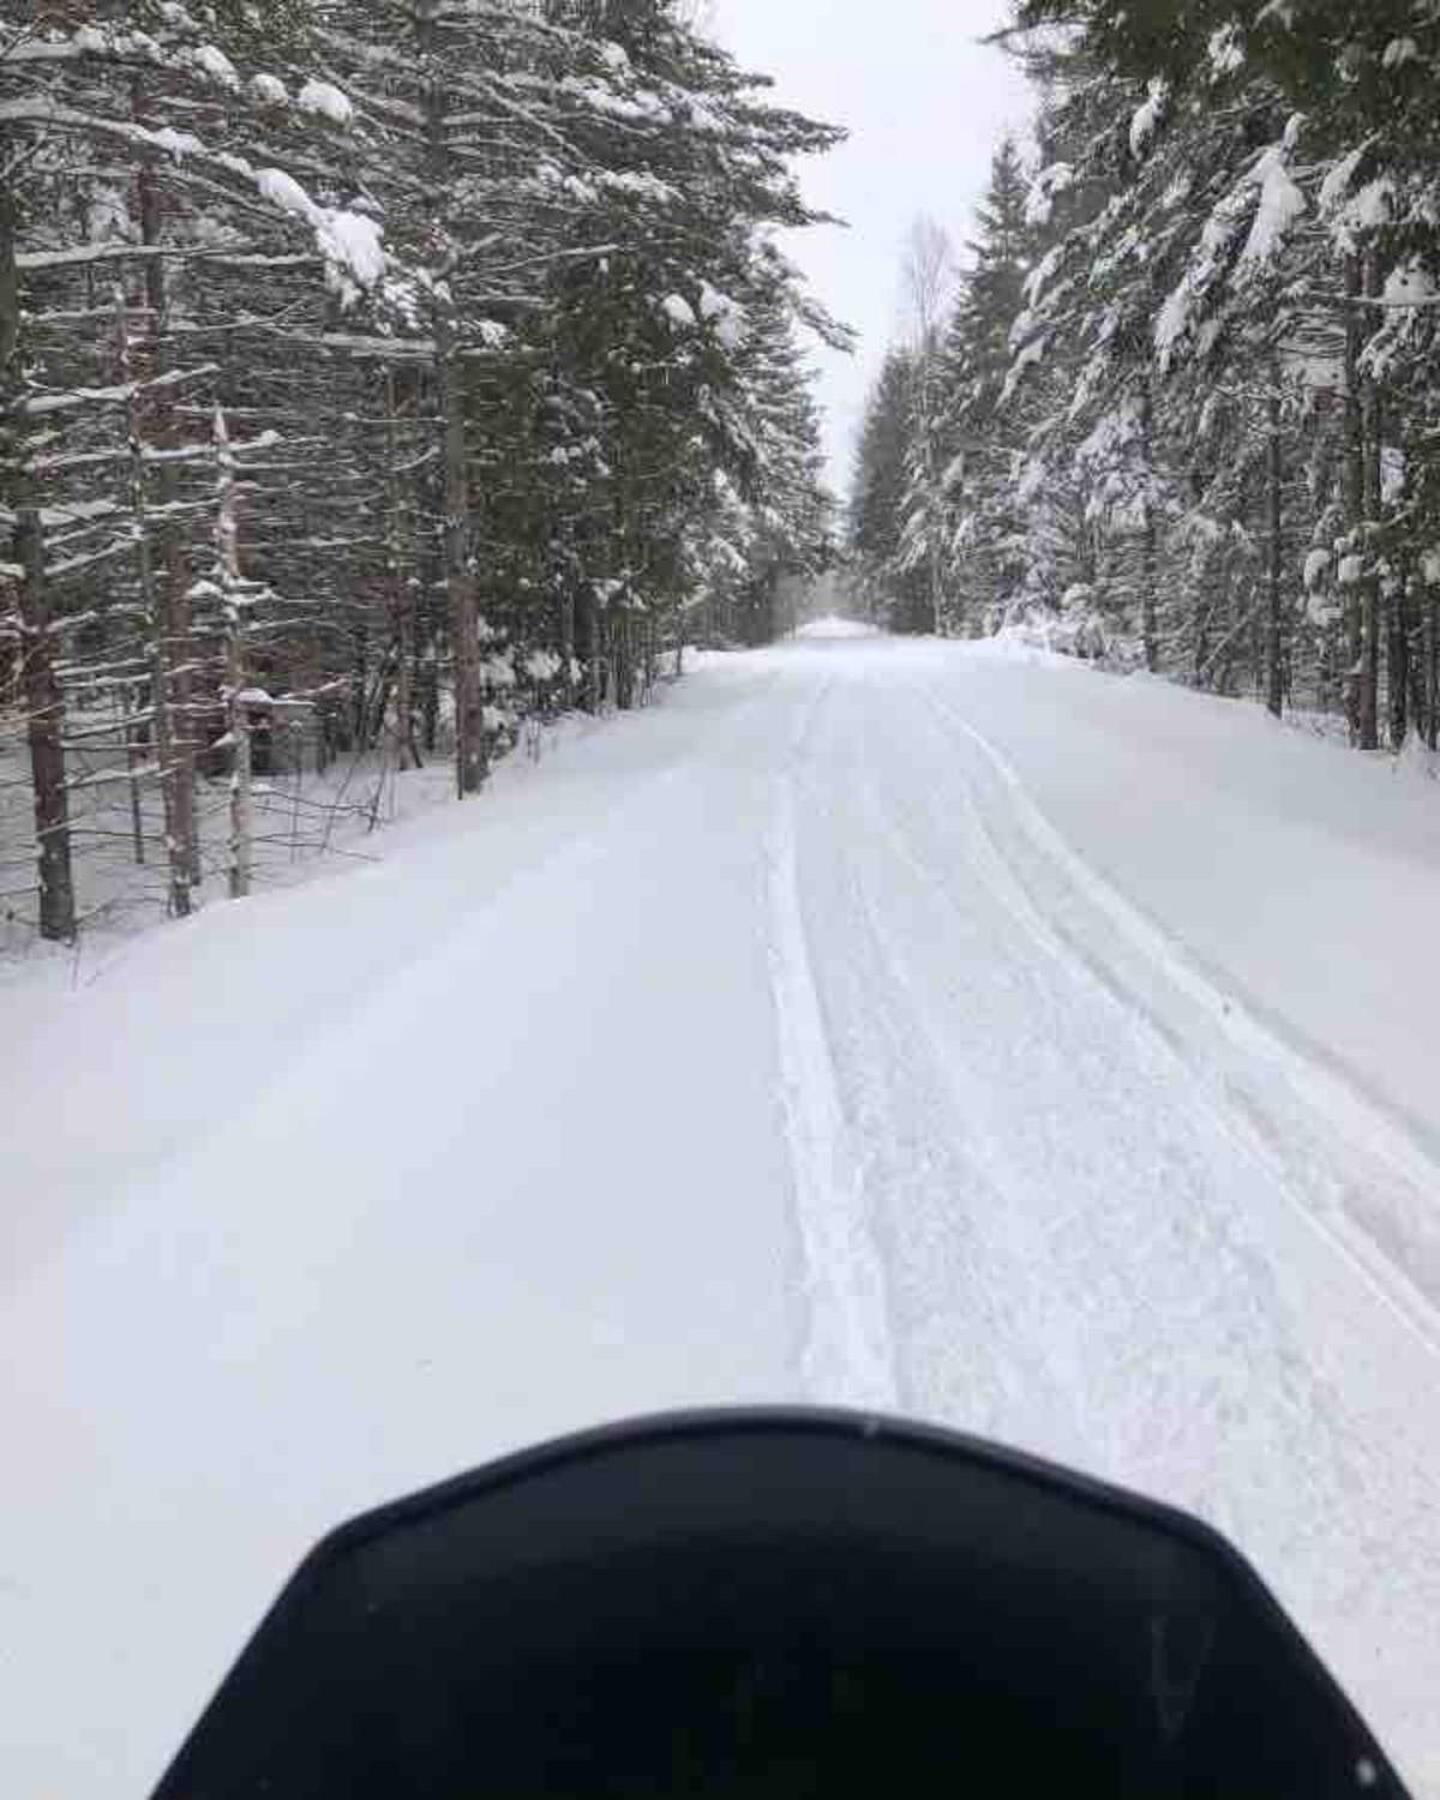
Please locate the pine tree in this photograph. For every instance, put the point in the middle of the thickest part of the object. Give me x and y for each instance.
(927, 275)
(988, 566)
(891, 590)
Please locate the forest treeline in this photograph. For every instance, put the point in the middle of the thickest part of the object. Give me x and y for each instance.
(374, 378)
(1179, 409)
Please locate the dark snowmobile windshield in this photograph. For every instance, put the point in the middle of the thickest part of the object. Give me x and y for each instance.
(775, 1604)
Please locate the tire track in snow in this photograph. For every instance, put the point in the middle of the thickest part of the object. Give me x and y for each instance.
(1337, 1110)
(848, 1354)
(960, 1256)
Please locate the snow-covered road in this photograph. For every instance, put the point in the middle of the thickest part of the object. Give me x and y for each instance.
(893, 1023)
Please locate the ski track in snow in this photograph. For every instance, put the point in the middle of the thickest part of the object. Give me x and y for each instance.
(782, 1042)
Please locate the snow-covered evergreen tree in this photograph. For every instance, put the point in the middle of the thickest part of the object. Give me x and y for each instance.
(1192, 367)
(1278, 173)
(889, 584)
(988, 568)
(488, 302)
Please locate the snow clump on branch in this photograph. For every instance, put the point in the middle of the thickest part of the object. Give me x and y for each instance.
(349, 242)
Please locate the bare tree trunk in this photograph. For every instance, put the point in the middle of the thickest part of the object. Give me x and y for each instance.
(1329, 656)
(1354, 492)
(588, 641)
(227, 546)
(177, 659)
(179, 854)
(1370, 594)
(1397, 659)
(1402, 650)
(170, 618)
(402, 595)
(1275, 617)
(470, 758)
(45, 709)
(37, 679)
(9, 275)
(566, 635)
(622, 638)
(242, 822)
(1149, 545)
(1430, 653)
(470, 767)
(407, 756)
(133, 758)
(430, 703)
(1368, 693)
(427, 649)
(359, 689)
(180, 850)
(1201, 672)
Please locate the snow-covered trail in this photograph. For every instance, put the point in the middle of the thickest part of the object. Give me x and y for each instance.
(1109, 1225)
(815, 1035)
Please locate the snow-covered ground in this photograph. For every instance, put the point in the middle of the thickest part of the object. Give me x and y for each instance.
(908, 1023)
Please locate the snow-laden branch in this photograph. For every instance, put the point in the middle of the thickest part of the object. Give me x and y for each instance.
(348, 241)
(34, 405)
(81, 255)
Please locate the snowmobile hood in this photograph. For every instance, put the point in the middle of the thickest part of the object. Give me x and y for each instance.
(776, 1602)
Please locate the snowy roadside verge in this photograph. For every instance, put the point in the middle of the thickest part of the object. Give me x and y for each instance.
(1299, 875)
(112, 1061)
(1274, 1092)
(311, 826)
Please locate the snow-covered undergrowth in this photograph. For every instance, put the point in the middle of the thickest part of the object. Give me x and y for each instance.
(301, 817)
(307, 822)
(1081, 634)
(1084, 637)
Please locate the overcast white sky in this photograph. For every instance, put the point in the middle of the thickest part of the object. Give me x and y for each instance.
(925, 103)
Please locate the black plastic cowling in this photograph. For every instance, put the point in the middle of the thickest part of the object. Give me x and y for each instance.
(775, 1603)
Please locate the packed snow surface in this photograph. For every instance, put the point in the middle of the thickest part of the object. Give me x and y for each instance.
(819, 629)
(919, 1025)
